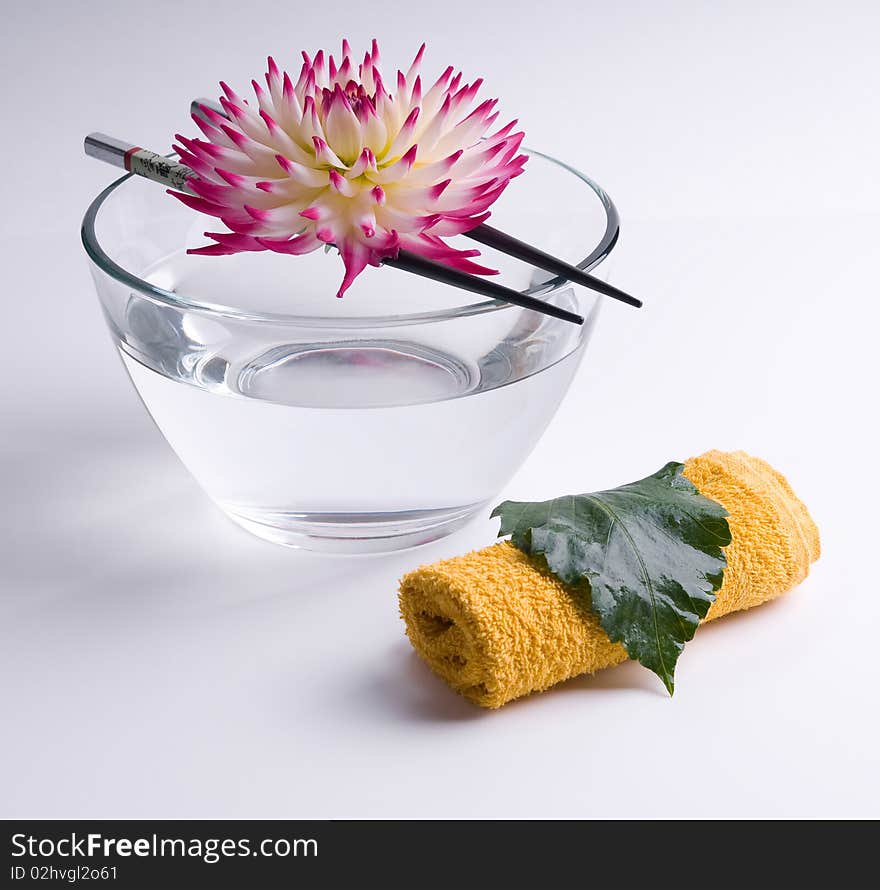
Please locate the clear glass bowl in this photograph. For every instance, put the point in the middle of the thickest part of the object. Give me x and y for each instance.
(379, 421)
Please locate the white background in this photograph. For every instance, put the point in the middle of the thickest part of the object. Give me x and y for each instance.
(158, 662)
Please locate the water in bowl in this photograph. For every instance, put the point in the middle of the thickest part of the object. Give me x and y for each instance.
(353, 438)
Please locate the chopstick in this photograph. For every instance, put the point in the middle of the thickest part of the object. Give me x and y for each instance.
(418, 265)
(501, 241)
(511, 246)
(166, 171)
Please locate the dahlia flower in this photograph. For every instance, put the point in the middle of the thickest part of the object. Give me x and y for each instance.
(337, 159)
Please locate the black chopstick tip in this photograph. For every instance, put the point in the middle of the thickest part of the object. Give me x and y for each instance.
(520, 250)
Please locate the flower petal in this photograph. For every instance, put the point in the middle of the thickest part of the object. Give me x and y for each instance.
(342, 128)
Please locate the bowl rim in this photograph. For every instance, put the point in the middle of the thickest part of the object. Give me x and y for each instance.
(103, 262)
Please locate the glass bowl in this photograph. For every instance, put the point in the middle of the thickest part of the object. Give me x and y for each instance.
(379, 421)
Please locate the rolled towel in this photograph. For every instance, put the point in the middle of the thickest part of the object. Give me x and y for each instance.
(496, 624)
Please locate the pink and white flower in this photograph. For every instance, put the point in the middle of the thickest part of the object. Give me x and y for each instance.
(336, 158)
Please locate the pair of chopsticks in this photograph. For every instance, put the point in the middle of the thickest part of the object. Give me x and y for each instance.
(166, 171)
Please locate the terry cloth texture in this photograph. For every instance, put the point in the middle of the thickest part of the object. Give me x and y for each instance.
(496, 624)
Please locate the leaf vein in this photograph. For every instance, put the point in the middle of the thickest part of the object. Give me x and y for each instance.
(645, 575)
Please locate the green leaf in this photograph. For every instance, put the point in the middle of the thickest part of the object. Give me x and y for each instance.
(651, 550)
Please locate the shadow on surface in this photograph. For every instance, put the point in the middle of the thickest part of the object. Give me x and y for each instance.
(403, 689)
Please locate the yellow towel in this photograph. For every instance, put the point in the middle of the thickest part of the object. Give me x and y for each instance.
(496, 624)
